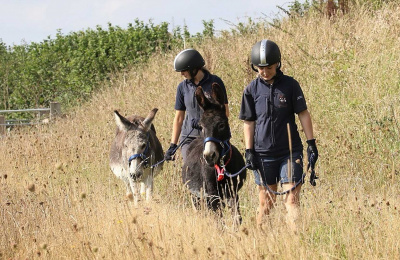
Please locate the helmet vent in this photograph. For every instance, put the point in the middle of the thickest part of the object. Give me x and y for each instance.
(263, 54)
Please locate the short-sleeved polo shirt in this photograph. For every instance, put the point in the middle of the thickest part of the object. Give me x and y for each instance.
(273, 106)
(186, 100)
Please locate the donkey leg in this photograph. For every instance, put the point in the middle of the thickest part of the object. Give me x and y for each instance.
(233, 204)
(146, 188)
(195, 202)
(126, 181)
(134, 189)
(129, 193)
(143, 189)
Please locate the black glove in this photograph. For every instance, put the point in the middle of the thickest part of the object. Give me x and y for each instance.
(169, 154)
(195, 124)
(312, 154)
(313, 177)
(251, 159)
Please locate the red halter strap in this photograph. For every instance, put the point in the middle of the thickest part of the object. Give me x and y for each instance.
(220, 170)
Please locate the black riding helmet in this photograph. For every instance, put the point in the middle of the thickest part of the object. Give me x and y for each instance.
(265, 53)
(190, 60)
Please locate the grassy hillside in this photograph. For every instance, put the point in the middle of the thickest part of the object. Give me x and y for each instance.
(348, 69)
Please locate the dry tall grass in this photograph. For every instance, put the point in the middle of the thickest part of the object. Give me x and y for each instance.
(59, 200)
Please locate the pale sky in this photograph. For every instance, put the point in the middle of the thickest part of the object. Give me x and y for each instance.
(35, 20)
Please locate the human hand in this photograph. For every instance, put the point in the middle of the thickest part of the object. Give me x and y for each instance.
(195, 124)
(312, 153)
(169, 154)
(251, 159)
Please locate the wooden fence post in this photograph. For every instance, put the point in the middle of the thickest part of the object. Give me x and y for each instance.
(55, 110)
(2, 125)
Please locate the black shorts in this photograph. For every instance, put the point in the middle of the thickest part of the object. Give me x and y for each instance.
(275, 169)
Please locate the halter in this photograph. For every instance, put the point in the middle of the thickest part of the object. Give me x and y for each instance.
(141, 155)
(224, 144)
(226, 147)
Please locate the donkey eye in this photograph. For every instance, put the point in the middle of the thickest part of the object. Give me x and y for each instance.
(142, 146)
(221, 126)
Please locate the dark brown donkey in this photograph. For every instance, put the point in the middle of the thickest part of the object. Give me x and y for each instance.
(134, 150)
(214, 168)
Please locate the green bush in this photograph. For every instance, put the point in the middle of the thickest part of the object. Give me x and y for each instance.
(69, 68)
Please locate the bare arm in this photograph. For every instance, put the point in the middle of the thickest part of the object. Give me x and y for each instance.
(177, 126)
(248, 129)
(305, 120)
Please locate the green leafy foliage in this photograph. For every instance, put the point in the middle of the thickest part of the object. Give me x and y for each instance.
(69, 68)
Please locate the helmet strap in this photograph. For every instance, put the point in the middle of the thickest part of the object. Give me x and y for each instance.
(193, 73)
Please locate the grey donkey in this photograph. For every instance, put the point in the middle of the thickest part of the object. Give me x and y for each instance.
(134, 153)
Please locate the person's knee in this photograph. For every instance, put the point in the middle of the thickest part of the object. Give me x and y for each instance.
(262, 198)
(292, 200)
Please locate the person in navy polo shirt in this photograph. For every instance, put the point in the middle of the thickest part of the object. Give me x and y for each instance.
(190, 64)
(269, 105)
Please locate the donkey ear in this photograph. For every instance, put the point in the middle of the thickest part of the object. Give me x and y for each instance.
(217, 94)
(202, 100)
(149, 119)
(123, 124)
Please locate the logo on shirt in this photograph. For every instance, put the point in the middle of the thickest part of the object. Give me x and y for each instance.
(282, 101)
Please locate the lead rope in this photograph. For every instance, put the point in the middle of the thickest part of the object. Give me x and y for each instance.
(180, 144)
(237, 173)
(265, 185)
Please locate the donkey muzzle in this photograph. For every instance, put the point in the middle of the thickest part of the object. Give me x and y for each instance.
(210, 154)
(136, 176)
(211, 159)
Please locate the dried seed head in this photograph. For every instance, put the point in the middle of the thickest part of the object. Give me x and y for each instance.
(31, 187)
(75, 226)
(245, 231)
(129, 196)
(58, 166)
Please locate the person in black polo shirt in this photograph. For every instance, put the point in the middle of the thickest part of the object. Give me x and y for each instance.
(269, 105)
(190, 64)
